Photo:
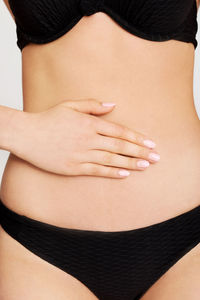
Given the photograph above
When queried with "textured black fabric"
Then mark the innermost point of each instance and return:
(42, 21)
(114, 265)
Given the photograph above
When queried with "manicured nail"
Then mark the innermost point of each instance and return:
(149, 143)
(143, 163)
(124, 173)
(154, 156)
(108, 104)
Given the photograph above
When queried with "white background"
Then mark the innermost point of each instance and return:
(10, 70)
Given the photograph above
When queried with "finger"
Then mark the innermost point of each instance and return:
(120, 146)
(116, 130)
(116, 160)
(103, 171)
(90, 106)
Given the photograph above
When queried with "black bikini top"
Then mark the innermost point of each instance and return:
(42, 21)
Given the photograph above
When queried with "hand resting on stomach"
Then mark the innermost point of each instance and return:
(151, 84)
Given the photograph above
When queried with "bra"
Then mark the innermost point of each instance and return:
(42, 21)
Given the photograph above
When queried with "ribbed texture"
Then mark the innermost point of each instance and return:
(115, 265)
(42, 21)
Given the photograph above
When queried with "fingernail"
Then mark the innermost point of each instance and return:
(124, 173)
(108, 104)
(149, 143)
(154, 156)
(143, 163)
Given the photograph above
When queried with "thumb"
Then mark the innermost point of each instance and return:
(90, 106)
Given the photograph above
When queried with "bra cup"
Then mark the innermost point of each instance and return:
(43, 18)
(42, 21)
(153, 16)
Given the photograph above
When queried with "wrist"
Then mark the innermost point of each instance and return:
(16, 126)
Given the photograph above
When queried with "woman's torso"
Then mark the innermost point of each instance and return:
(152, 85)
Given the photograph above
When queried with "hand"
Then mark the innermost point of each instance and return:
(68, 139)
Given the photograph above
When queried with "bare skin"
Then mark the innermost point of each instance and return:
(152, 86)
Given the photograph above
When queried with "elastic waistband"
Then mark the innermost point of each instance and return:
(15, 222)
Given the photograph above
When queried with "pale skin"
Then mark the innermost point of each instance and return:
(64, 106)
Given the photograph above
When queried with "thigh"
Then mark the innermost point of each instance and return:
(24, 275)
(180, 282)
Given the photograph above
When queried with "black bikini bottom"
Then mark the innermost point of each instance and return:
(114, 265)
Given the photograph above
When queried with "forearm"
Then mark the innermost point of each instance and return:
(11, 126)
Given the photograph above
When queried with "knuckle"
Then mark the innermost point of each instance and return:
(130, 163)
(110, 172)
(69, 163)
(93, 101)
(68, 170)
(119, 131)
(142, 152)
(71, 166)
(107, 158)
(94, 169)
(85, 169)
(119, 145)
(138, 138)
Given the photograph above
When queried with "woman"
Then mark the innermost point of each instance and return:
(71, 229)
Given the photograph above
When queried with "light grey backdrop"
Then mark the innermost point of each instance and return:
(10, 70)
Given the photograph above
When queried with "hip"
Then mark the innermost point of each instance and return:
(162, 191)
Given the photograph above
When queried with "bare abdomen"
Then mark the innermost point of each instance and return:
(151, 84)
